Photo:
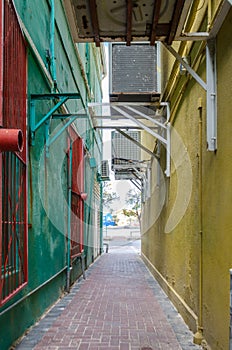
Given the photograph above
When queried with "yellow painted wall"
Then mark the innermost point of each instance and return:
(217, 205)
(174, 257)
(175, 253)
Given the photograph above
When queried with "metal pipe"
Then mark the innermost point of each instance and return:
(200, 218)
(69, 218)
(101, 217)
(168, 151)
(209, 15)
(198, 336)
(89, 217)
(11, 140)
(52, 45)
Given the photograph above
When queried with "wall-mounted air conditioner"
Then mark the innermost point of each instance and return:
(105, 172)
(126, 155)
(134, 70)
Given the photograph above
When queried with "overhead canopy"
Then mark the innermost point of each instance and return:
(127, 20)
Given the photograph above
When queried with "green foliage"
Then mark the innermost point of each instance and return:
(109, 196)
(133, 199)
(129, 212)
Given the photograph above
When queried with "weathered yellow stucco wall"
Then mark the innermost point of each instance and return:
(174, 253)
(217, 205)
(173, 248)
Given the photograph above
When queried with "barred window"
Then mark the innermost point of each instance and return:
(13, 165)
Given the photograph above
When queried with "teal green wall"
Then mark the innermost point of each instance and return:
(47, 205)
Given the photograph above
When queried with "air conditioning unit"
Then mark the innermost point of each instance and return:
(134, 72)
(105, 172)
(126, 156)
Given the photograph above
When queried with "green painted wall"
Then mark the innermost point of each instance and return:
(175, 257)
(48, 177)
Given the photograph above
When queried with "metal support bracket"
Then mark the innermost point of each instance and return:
(210, 87)
(159, 130)
(186, 65)
(59, 100)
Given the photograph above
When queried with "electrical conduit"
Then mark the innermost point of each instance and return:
(52, 45)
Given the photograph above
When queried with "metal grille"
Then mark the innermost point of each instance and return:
(123, 149)
(134, 68)
(13, 170)
(14, 226)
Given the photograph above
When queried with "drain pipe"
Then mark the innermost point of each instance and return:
(52, 45)
(198, 336)
(11, 140)
(91, 190)
(69, 219)
(101, 217)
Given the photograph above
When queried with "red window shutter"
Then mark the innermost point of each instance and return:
(77, 218)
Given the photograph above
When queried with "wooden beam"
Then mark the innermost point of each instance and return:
(155, 20)
(94, 21)
(129, 9)
(175, 20)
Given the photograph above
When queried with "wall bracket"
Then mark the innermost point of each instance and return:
(59, 100)
(209, 86)
(129, 111)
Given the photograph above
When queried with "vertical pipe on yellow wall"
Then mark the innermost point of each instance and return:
(209, 15)
(198, 336)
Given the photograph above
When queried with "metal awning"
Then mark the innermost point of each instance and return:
(127, 20)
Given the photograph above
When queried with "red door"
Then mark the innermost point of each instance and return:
(77, 218)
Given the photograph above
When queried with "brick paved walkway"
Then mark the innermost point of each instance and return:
(118, 307)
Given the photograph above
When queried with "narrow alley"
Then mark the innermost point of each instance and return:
(119, 307)
(115, 116)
